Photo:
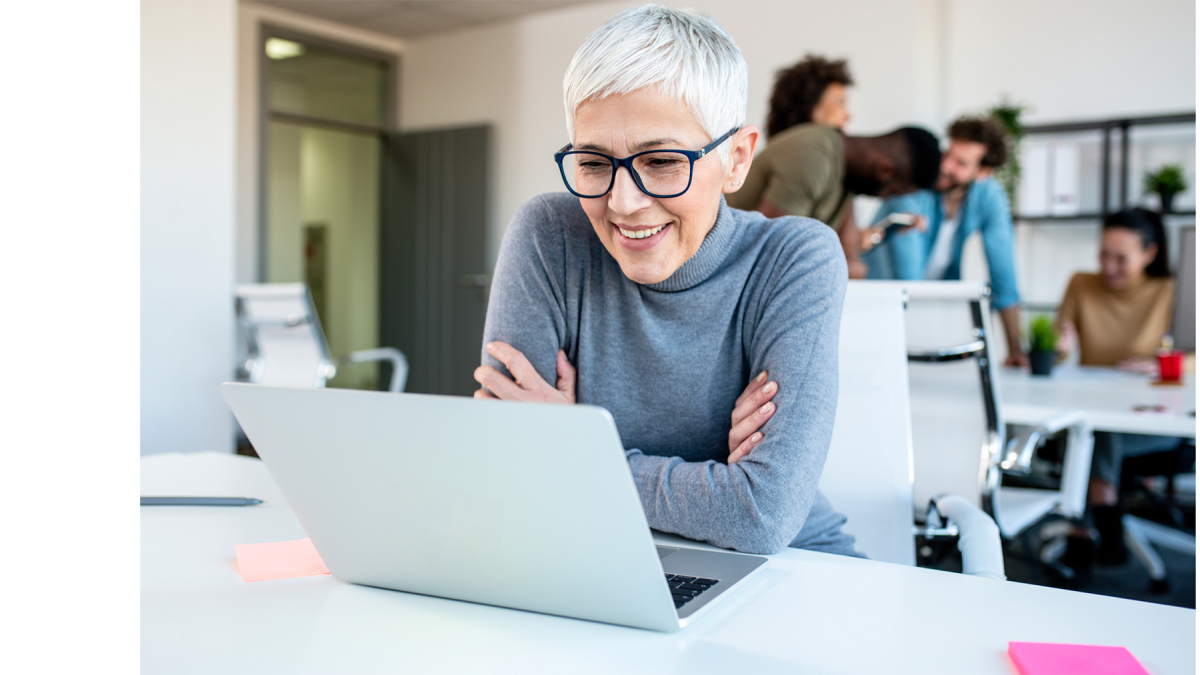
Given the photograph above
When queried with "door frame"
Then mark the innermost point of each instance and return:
(267, 30)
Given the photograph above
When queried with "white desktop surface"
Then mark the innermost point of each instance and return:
(1106, 396)
(805, 612)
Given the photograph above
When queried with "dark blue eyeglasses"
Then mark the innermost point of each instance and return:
(659, 173)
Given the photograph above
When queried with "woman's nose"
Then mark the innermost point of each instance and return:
(626, 197)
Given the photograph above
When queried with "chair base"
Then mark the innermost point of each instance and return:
(1142, 535)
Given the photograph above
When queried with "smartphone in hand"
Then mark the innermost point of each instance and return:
(895, 223)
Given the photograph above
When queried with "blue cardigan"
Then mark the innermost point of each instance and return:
(985, 210)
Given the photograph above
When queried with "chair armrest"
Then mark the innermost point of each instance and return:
(1024, 440)
(1077, 462)
(955, 353)
(395, 356)
(978, 537)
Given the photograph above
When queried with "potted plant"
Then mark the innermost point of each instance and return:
(1166, 181)
(1008, 113)
(1043, 338)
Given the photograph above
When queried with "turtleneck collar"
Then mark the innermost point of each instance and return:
(712, 252)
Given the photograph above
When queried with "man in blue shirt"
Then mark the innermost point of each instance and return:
(965, 200)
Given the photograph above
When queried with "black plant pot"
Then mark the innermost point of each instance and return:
(1041, 363)
(1165, 197)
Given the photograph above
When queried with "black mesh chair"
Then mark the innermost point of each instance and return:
(1162, 512)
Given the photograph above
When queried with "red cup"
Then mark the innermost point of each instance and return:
(1170, 365)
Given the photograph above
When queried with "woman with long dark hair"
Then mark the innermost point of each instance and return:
(1118, 317)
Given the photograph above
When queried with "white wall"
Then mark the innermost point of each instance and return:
(1074, 59)
(187, 219)
(914, 61)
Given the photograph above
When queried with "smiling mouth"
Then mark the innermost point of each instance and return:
(640, 234)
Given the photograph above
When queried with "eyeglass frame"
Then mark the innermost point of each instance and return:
(627, 162)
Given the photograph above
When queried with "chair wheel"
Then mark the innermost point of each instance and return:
(1158, 586)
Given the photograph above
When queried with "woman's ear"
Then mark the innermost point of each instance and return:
(1149, 254)
(741, 154)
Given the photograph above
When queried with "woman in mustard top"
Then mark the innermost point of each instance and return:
(1118, 317)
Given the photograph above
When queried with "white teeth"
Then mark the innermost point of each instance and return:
(641, 234)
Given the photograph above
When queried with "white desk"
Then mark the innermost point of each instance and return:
(1106, 396)
(806, 612)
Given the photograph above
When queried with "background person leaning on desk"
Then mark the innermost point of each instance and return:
(1118, 317)
(810, 168)
(966, 199)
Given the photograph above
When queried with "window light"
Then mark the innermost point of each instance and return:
(283, 49)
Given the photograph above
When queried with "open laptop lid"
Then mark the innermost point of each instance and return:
(501, 503)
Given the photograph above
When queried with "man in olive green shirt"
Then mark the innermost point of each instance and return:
(813, 170)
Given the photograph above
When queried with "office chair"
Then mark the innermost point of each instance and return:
(285, 345)
(1177, 468)
(869, 469)
(961, 445)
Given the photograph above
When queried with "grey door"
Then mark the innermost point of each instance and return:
(433, 268)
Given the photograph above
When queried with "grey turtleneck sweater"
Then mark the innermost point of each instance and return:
(669, 359)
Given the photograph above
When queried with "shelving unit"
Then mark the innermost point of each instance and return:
(1086, 170)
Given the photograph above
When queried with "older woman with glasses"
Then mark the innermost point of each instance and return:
(709, 333)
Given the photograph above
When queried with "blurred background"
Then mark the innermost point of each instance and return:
(375, 150)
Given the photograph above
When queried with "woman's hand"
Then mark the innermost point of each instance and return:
(1139, 365)
(751, 410)
(1067, 337)
(525, 384)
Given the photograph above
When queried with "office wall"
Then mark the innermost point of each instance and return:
(187, 223)
(1073, 59)
(914, 61)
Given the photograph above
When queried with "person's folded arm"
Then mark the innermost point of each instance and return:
(760, 503)
(527, 304)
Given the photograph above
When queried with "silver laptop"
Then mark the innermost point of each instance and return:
(519, 505)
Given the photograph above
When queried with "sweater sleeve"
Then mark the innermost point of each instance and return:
(760, 503)
(997, 232)
(526, 304)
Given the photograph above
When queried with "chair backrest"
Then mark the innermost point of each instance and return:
(285, 344)
(957, 428)
(868, 472)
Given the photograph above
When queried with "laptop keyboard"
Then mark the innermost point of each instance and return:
(685, 589)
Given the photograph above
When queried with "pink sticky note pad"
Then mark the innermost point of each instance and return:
(1047, 658)
(278, 560)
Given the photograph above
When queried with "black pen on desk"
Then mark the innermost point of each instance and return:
(199, 501)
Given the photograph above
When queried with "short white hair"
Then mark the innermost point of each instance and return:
(686, 54)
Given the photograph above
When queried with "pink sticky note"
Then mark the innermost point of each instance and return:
(278, 560)
(1047, 658)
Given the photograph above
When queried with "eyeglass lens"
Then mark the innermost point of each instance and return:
(661, 173)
